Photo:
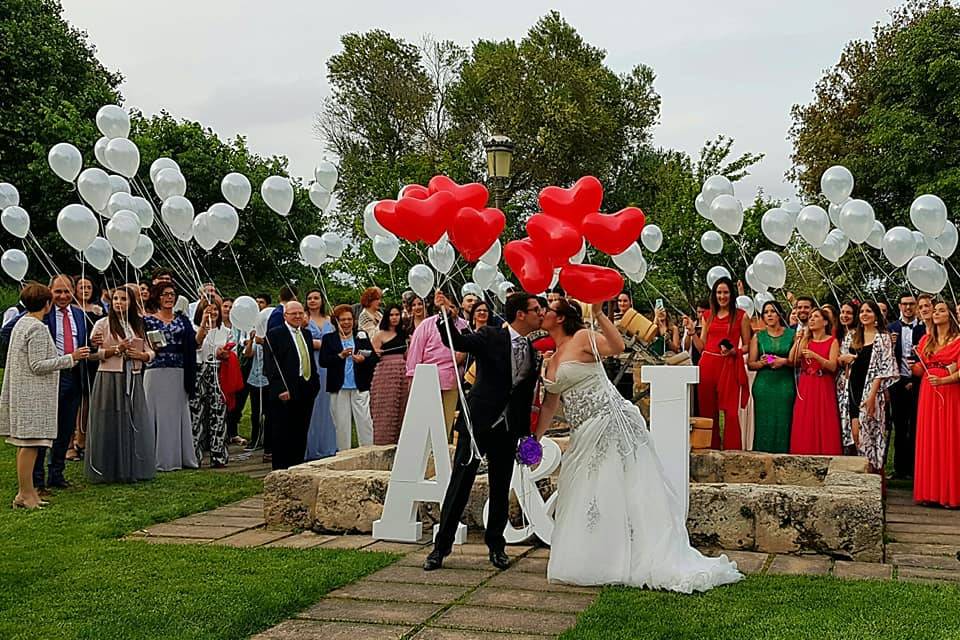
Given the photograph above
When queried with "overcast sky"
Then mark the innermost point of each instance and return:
(258, 68)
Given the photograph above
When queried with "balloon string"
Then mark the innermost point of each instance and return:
(246, 287)
(468, 423)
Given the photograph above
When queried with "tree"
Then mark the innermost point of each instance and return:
(888, 111)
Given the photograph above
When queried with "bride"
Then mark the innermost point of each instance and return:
(617, 520)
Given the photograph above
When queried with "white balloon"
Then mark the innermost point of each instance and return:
(631, 260)
(144, 211)
(753, 280)
(640, 273)
(177, 213)
(921, 248)
(169, 183)
(834, 211)
(16, 220)
(319, 196)
(875, 239)
(421, 280)
(100, 151)
(245, 313)
(9, 196)
(94, 187)
(312, 250)
(791, 207)
(834, 246)
(203, 233)
(714, 274)
(277, 192)
(702, 207)
(946, 243)
(77, 225)
(123, 156)
(716, 186)
(504, 289)
(856, 220)
(326, 175)
(159, 165)
(236, 188)
(727, 213)
(65, 161)
(492, 255)
(371, 226)
(777, 225)
(712, 242)
(497, 279)
(99, 254)
(333, 243)
(813, 223)
(579, 256)
(123, 232)
(899, 246)
(119, 201)
(763, 298)
(928, 213)
(142, 254)
(745, 303)
(484, 274)
(113, 121)
(651, 237)
(119, 184)
(386, 248)
(926, 274)
(471, 289)
(223, 221)
(769, 267)
(15, 263)
(837, 184)
(442, 256)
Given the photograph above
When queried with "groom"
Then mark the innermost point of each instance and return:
(499, 407)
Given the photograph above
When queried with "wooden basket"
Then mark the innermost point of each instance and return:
(638, 326)
(701, 433)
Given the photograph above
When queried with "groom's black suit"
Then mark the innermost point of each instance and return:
(500, 415)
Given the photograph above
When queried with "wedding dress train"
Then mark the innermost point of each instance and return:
(617, 520)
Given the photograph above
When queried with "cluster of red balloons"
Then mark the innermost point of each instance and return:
(570, 216)
(443, 206)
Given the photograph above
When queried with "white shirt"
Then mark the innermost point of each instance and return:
(58, 340)
(215, 338)
(906, 346)
(10, 314)
(515, 339)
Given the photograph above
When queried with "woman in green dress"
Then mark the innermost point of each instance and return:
(773, 387)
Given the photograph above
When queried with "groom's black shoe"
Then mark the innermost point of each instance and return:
(499, 559)
(434, 561)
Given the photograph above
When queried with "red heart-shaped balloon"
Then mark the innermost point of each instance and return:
(415, 191)
(585, 196)
(473, 194)
(426, 219)
(385, 212)
(590, 283)
(532, 269)
(472, 232)
(613, 233)
(554, 238)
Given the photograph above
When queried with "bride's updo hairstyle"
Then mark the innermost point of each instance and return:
(572, 316)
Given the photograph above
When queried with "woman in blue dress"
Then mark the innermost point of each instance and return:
(322, 436)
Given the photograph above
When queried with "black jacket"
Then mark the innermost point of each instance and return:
(493, 391)
(330, 359)
(281, 365)
(895, 327)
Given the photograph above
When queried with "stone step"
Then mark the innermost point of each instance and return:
(924, 516)
(925, 538)
(914, 527)
(925, 561)
(949, 550)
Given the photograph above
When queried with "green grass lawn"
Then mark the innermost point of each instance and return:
(64, 574)
(781, 607)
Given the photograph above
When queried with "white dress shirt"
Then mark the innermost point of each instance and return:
(58, 340)
(906, 346)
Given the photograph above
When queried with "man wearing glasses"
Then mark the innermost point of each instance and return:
(905, 332)
(499, 409)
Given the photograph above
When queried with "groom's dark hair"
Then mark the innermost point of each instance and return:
(517, 302)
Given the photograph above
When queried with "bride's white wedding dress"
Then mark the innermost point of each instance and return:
(617, 521)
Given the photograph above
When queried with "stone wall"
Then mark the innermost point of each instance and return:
(738, 500)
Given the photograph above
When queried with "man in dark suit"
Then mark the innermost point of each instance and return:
(289, 367)
(905, 332)
(69, 331)
(499, 407)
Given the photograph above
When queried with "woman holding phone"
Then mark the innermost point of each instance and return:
(208, 407)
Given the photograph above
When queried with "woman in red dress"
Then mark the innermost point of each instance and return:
(936, 477)
(815, 429)
(723, 376)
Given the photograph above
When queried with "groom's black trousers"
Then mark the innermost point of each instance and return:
(501, 453)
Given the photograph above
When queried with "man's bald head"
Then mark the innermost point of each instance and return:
(293, 313)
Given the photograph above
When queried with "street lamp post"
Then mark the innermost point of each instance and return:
(499, 151)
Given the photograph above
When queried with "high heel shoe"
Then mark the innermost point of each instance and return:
(23, 505)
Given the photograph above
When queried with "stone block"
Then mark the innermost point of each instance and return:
(722, 515)
(747, 467)
(807, 471)
(290, 497)
(706, 466)
(349, 501)
(850, 464)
